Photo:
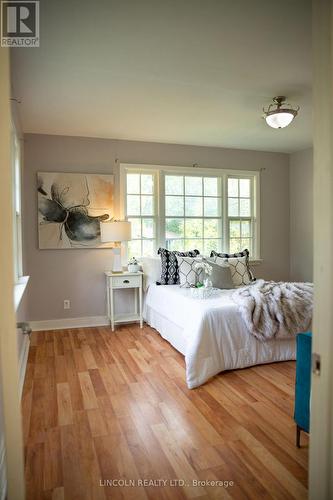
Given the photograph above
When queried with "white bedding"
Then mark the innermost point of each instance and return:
(213, 335)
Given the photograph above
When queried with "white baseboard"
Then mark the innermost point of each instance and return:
(59, 324)
(23, 362)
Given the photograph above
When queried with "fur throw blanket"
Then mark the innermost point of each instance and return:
(275, 309)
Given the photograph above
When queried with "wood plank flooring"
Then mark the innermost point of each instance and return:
(101, 406)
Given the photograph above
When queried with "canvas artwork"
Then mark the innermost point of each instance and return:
(70, 208)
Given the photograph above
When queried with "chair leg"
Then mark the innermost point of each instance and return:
(298, 436)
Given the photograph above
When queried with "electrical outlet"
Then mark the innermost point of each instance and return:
(67, 304)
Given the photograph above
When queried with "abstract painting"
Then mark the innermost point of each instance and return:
(71, 207)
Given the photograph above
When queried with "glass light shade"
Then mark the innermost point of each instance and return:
(279, 119)
(115, 231)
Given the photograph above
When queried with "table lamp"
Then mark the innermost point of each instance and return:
(116, 231)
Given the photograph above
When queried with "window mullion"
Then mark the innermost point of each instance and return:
(161, 241)
(203, 228)
(253, 225)
(225, 219)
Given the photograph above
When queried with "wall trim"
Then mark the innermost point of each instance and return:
(22, 365)
(23, 361)
(59, 324)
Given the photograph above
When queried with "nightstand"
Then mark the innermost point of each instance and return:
(121, 281)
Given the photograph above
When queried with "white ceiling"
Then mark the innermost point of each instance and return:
(177, 71)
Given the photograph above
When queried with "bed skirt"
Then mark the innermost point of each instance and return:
(167, 329)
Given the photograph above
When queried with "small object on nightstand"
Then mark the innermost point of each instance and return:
(121, 281)
(133, 265)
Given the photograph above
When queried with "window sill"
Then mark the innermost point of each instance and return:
(19, 289)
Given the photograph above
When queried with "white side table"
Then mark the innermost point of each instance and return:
(121, 281)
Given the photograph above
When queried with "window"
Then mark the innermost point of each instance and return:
(240, 220)
(193, 213)
(186, 208)
(141, 212)
(17, 213)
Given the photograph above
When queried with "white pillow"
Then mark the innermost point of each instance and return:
(239, 269)
(151, 266)
(188, 274)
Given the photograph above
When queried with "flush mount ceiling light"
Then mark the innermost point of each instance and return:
(279, 114)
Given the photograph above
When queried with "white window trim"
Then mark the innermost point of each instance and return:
(17, 216)
(123, 197)
(255, 207)
(161, 170)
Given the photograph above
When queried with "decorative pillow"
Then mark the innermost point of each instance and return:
(241, 273)
(221, 275)
(169, 264)
(188, 274)
(243, 253)
(151, 267)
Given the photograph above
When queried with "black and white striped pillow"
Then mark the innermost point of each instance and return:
(169, 265)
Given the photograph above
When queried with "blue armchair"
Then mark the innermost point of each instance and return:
(303, 384)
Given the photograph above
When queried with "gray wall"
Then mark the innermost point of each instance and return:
(76, 274)
(301, 215)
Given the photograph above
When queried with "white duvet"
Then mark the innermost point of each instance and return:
(215, 337)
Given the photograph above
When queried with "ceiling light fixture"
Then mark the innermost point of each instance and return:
(279, 114)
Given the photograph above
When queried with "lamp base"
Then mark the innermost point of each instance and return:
(116, 264)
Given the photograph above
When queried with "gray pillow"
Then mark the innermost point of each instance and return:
(221, 276)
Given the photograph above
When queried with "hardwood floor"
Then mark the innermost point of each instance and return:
(101, 406)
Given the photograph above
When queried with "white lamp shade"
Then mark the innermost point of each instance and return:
(115, 231)
(279, 119)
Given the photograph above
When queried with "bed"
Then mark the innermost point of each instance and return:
(210, 333)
